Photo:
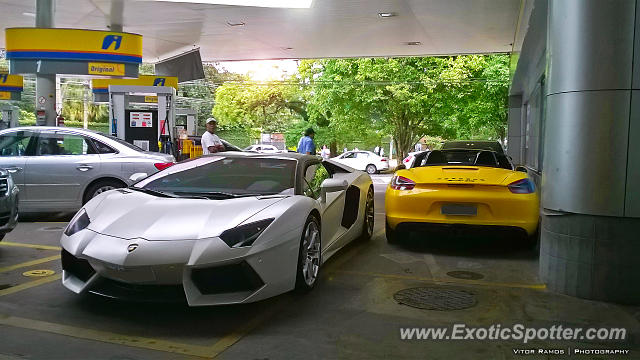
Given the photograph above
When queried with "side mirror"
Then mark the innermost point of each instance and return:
(332, 185)
(400, 167)
(521, 168)
(137, 177)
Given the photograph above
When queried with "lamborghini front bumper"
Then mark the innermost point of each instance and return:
(202, 272)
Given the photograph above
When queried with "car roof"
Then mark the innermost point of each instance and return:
(289, 155)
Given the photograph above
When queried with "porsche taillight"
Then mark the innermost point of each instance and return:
(522, 186)
(402, 183)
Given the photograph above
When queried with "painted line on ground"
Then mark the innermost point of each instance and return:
(230, 339)
(32, 246)
(29, 263)
(445, 281)
(107, 337)
(29, 285)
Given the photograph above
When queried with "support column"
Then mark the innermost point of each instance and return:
(589, 241)
(46, 83)
(116, 15)
(514, 129)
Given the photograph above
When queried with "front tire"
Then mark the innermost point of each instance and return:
(371, 169)
(309, 255)
(369, 216)
(100, 187)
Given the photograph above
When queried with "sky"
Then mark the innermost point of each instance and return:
(262, 70)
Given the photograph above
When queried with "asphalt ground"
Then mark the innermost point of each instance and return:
(351, 314)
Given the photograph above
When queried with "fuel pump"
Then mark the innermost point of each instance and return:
(10, 116)
(143, 116)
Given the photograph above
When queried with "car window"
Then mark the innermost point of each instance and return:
(349, 156)
(51, 143)
(223, 177)
(313, 178)
(103, 148)
(15, 143)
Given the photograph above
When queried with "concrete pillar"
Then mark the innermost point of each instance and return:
(46, 83)
(589, 241)
(116, 15)
(514, 130)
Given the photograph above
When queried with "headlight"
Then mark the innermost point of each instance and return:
(79, 222)
(245, 235)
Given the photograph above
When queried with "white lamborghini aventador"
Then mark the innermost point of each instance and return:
(220, 229)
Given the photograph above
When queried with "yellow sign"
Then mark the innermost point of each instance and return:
(5, 95)
(10, 82)
(102, 85)
(38, 273)
(106, 69)
(73, 44)
(151, 99)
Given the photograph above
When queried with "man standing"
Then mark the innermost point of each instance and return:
(306, 144)
(211, 143)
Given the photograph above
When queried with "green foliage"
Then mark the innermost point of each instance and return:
(74, 99)
(452, 97)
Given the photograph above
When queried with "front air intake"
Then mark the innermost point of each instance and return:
(226, 279)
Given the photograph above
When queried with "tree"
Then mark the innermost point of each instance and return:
(408, 97)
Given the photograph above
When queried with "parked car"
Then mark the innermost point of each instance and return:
(59, 169)
(363, 160)
(262, 148)
(409, 161)
(470, 190)
(262, 226)
(8, 203)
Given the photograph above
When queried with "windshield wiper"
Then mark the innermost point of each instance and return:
(151, 192)
(209, 194)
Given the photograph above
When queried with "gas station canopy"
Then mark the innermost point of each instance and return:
(327, 28)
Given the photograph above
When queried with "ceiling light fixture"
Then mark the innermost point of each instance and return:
(384, 15)
(414, 43)
(235, 23)
(287, 48)
(29, 14)
(292, 4)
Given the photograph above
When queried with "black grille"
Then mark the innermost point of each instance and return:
(4, 186)
(139, 292)
(79, 268)
(226, 279)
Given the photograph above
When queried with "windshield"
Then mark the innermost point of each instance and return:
(224, 177)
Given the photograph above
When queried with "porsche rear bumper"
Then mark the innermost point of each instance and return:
(494, 206)
(202, 272)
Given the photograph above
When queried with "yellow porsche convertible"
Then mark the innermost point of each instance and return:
(461, 189)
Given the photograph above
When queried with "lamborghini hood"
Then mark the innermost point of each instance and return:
(130, 214)
(461, 175)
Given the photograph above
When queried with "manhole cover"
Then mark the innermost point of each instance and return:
(53, 228)
(440, 299)
(38, 273)
(466, 275)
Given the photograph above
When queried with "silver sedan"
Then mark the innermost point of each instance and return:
(60, 169)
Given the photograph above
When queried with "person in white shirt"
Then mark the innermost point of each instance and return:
(211, 143)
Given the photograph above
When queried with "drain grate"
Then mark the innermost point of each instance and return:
(465, 275)
(432, 298)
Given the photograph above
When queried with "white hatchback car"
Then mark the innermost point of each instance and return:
(363, 160)
(263, 149)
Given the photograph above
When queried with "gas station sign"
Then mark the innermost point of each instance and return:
(73, 51)
(10, 86)
(102, 85)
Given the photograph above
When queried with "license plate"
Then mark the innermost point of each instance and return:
(459, 209)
